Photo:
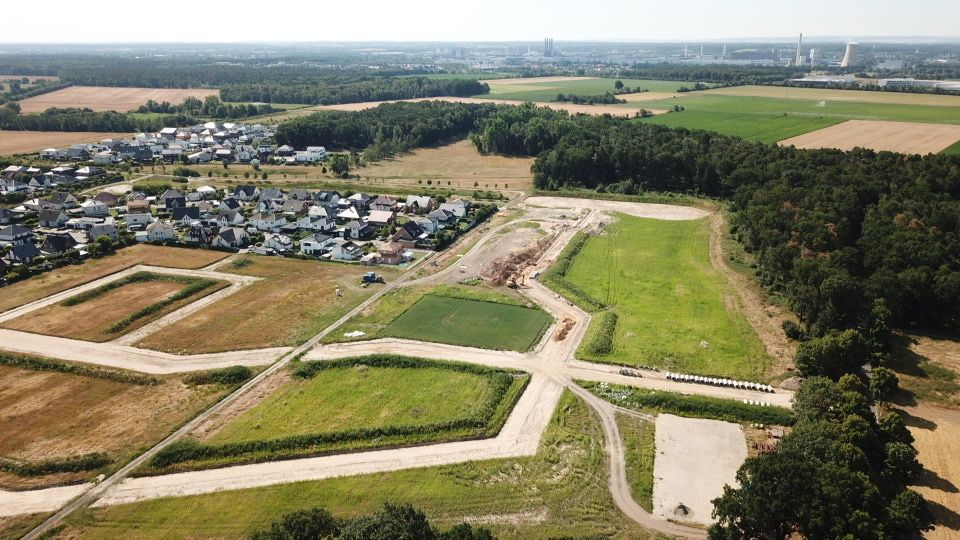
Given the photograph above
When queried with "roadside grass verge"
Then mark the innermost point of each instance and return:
(674, 310)
(457, 314)
(640, 451)
(34, 363)
(358, 403)
(113, 309)
(560, 492)
(711, 408)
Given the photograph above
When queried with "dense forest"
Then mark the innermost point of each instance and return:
(210, 107)
(718, 74)
(353, 92)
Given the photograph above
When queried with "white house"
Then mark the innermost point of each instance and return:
(93, 207)
(279, 242)
(138, 219)
(232, 237)
(159, 231)
(267, 222)
(315, 245)
(458, 207)
(345, 250)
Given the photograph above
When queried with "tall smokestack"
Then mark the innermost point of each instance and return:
(799, 60)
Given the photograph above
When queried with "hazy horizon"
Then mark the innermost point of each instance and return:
(246, 21)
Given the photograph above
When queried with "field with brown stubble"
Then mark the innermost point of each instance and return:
(905, 137)
(101, 98)
(22, 142)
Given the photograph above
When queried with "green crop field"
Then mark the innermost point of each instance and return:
(639, 449)
(670, 302)
(766, 128)
(953, 149)
(547, 91)
(471, 323)
(348, 397)
(561, 491)
(771, 119)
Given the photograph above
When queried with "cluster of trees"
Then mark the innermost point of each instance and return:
(54, 119)
(369, 89)
(210, 107)
(392, 522)
(602, 99)
(385, 130)
(719, 74)
(840, 473)
(22, 88)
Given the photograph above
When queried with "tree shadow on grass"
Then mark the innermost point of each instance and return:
(915, 421)
(933, 480)
(903, 359)
(944, 517)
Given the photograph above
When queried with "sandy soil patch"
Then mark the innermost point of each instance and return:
(694, 459)
(646, 210)
(905, 137)
(937, 434)
(22, 142)
(535, 80)
(102, 98)
(821, 94)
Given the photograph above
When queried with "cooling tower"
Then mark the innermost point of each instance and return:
(851, 59)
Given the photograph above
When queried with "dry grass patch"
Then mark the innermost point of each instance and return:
(49, 415)
(91, 320)
(103, 98)
(295, 300)
(68, 277)
(937, 434)
(905, 137)
(22, 142)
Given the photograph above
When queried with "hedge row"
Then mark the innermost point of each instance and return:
(488, 417)
(42, 364)
(600, 341)
(188, 291)
(556, 279)
(306, 370)
(728, 410)
(138, 277)
(85, 462)
(230, 375)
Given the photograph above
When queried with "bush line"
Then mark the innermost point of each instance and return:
(85, 462)
(33, 363)
(600, 342)
(691, 406)
(186, 292)
(229, 375)
(556, 276)
(138, 277)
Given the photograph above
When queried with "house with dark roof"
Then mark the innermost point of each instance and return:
(56, 243)
(60, 199)
(107, 198)
(185, 216)
(231, 238)
(173, 198)
(22, 253)
(245, 192)
(53, 218)
(16, 234)
(409, 234)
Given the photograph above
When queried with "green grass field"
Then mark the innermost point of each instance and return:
(471, 323)
(670, 301)
(771, 120)
(562, 491)
(639, 450)
(547, 91)
(953, 149)
(346, 398)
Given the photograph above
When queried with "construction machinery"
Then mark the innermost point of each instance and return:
(372, 277)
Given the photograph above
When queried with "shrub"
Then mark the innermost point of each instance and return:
(600, 342)
(42, 364)
(793, 330)
(230, 375)
(85, 462)
(194, 287)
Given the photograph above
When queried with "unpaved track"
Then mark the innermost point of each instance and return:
(551, 364)
(15, 503)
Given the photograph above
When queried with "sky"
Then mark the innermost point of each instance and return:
(486, 20)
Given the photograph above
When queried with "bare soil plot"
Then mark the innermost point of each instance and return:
(90, 320)
(694, 459)
(905, 137)
(47, 415)
(862, 96)
(68, 277)
(936, 431)
(102, 98)
(528, 80)
(296, 300)
(22, 142)
(459, 162)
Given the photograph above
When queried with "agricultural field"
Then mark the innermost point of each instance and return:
(562, 491)
(674, 310)
(102, 98)
(546, 89)
(827, 94)
(936, 431)
(471, 323)
(113, 311)
(763, 128)
(67, 277)
(295, 300)
(906, 137)
(639, 449)
(25, 142)
(47, 415)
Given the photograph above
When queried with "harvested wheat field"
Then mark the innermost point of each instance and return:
(48, 415)
(937, 434)
(825, 94)
(67, 277)
(905, 137)
(459, 162)
(646, 96)
(103, 98)
(22, 142)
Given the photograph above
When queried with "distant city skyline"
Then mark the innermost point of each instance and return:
(494, 20)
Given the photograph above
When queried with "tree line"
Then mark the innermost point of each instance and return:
(600, 99)
(719, 74)
(374, 89)
(55, 119)
(210, 107)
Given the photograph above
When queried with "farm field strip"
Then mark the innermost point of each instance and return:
(102, 98)
(23, 142)
(905, 137)
(826, 94)
(763, 128)
(545, 89)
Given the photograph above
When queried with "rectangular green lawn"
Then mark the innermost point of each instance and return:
(349, 398)
(669, 299)
(764, 128)
(471, 323)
